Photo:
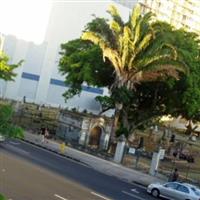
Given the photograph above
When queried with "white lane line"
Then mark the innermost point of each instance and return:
(133, 195)
(58, 196)
(135, 190)
(98, 195)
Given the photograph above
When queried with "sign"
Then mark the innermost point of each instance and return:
(131, 150)
(162, 154)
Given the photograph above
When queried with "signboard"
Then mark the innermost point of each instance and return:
(131, 150)
(162, 154)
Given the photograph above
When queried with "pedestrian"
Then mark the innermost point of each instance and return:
(46, 133)
(175, 175)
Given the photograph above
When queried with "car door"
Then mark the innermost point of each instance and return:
(182, 192)
(169, 190)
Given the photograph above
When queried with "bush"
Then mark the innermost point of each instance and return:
(7, 128)
(2, 197)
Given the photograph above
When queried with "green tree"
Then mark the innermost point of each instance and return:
(7, 128)
(81, 61)
(7, 73)
(142, 59)
(7, 70)
(2, 197)
(138, 50)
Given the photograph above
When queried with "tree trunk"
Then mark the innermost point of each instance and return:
(115, 124)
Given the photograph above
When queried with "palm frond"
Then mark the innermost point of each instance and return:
(144, 43)
(137, 32)
(164, 65)
(109, 53)
(136, 13)
(115, 27)
(126, 46)
(93, 37)
(114, 57)
(112, 10)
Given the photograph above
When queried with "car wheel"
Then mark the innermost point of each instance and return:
(155, 192)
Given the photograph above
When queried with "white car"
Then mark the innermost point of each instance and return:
(174, 191)
(2, 138)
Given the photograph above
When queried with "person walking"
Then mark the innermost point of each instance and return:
(175, 175)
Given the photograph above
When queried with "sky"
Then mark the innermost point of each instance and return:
(26, 19)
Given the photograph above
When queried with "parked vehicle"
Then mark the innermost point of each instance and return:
(2, 138)
(174, 190)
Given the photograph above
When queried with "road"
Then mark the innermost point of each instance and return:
(28, 172)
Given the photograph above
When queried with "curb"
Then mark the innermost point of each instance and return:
(53, 151)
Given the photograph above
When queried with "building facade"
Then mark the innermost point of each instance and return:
(38, 79)
(84, 129)
(179, 13)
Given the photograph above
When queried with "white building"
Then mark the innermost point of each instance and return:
(38, 78)
(179, 13)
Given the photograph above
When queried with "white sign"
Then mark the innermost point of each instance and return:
(131, 150)
(162, 154)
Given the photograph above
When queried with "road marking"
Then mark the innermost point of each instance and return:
(58, 196)
(133, 195)
(135, 190)
(98, 195)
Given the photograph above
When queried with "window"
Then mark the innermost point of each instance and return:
(184, 17)
(183, 189)
(171, 185)
(196, 191)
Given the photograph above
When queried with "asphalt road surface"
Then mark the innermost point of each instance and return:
(28, 172)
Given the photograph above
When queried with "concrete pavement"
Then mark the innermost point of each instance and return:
(101, 165)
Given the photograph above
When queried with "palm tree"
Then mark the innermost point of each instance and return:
(137, 49)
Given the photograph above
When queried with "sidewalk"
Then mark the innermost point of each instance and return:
(101, 165)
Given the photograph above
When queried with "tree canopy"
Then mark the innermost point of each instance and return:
(161, 66)
(7, 70)
(7, 128)
(81, 61)
(7, 73)
(138, 50)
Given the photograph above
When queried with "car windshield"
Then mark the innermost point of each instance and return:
(196, 191)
